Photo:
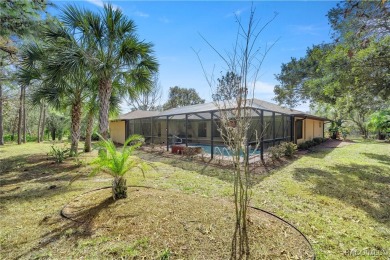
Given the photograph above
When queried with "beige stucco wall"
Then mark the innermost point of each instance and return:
(311, 129)
(117, 131)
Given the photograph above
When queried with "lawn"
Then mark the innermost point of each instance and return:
(339, 198)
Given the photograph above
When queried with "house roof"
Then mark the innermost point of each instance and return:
(180, 112)
(138, 114)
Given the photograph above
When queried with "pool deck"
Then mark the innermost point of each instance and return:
(218, 157)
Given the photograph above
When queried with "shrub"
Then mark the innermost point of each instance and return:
(9, 138)
(317, 140)
(275, 152)
(289, 148)
(303, 146)
(95, 137)
(59, 153)
(310, 143)
(344, 133)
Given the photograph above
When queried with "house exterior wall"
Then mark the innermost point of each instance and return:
(117, 131)
(311, 129)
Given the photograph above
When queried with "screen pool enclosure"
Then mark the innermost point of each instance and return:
(198, 125)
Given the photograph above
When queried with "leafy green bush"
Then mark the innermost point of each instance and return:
(289, 148)
(11, 138)
(59, 153)
(317, 140)
(275, 152)
(95, 137)
(303, 146)
(310, 143)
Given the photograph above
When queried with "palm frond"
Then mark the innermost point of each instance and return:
(117, 163)
(73, 17)
(30, 54)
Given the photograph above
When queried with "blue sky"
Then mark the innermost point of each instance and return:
(174, 28)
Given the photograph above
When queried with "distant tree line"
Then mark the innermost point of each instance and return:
(351, 73)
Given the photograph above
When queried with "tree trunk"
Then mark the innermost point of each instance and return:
(105, 89)
(14, 128)
(119, 188)
(39, 122)
(1, 116)
(20, 116)
(53, 134)
(88, 133)
(24, 115)
(43, 122)
(75, 127)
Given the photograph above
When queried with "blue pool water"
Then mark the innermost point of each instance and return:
(219, 149)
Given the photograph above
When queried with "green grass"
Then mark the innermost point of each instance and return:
(339, 198)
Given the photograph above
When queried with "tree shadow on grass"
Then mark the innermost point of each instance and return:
(18, 169)
(382, 158)
(30, 194)
(78, 224)
(363, 187)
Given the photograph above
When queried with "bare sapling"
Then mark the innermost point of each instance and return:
(235, 115)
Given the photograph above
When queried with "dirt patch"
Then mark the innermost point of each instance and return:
(153, 222)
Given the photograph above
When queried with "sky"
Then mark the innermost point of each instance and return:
(176, 29)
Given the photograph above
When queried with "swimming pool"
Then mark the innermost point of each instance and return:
(222, 150)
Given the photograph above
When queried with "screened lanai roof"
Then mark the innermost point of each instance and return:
(208, 107)
(198, 109)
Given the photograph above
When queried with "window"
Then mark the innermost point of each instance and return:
(299, 128)
(202, 129)
(320, 124)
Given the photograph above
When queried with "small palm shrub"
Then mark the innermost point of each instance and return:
(59, 153)
(289, 148)
(118, 163)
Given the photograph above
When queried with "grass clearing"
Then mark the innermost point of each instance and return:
(339, 198)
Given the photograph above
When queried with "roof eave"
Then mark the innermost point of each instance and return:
(311, 117)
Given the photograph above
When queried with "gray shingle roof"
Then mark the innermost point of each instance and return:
(179, 112)
(138, 114)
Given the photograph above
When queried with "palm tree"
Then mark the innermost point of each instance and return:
(29, 74)
(118, 163)
(65, 79)
(115, 53)
(92, 110)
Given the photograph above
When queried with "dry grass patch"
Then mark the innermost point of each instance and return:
(151, 222)
(188, 219)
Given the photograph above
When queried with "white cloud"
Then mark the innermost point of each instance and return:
(310, 29)
(141, 14)
(164, 20)
(264, 88)
(100, 3)
(237, 12)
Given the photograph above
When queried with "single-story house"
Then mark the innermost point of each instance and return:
(198, 125)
